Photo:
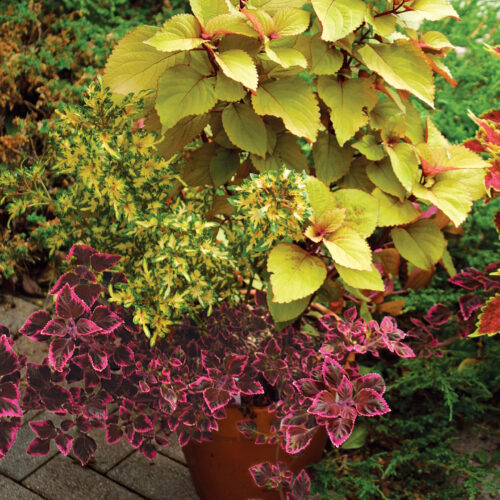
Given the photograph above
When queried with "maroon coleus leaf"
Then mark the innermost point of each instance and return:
(332, 373)
(148, 450)
(86, 327)
(236, 365)
(370, 403)
(103, 261)
(63, 443)
(106, 319)
(9, 428)
(68, 304)
(113, 433)
(402, 350)
(216, 398)
(467, 278)
(84, 448)
(438, 315)
(272, 348)
(9, 362)
(308, 387)
(371, 381)
(80, 254)
(248, 428)
(88, 293)
(300, 487)
(56, 328)
(468, 304)
(67, 278)
(269, 367)
(297, 438)
(98, 359)
(44, 429)
(133, 437)
(265, 475)
(489, 319)
(325, 405)
(474, 145)
(60, 353)
(492, 179)
(9, 400)
(339, 429)
(143, 424)
(123, 356)
(38, 447)
(56, 398)
(85, 274)
(247, 384)
(34, 325)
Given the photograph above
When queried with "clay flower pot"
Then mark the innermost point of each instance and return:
(219, 468)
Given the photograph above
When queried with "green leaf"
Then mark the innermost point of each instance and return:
(205, 10)
(287, 152)
(357, 178)
(180, 32)
(369, 147)
(402, 65)
(291, 21)
(387, 117)
(236, 24)
(422, 243)
(330, 160)
(182, 91)
(134, 66)
(349, 249)
(328, 223)
(404, 163)
(320, 197)
(414, 127)
(282, 313)
(292, 100)
(239, 66)
(447, 262)
(348, 102)
(224, 165)
(295, 273)
(196, 171)
(325, 60)
(227, 89)
(286, 57)
(339, 17)
(364, 280)
(245, 128)
(272, 6)
(472, 180)
(434, 10)
(394, 212)
(357, 439)
(384, 26)
(383, 176)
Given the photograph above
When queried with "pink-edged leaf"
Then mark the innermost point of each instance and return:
(298, 438)
(272, 348)
(98, 360)
(236, 365)
(63, 443)
(143, 424)
(38, 447)
(44, 429)
(468, 304)
(325, 405)
(60, 353)
(148, 450)
(248, 428)
(345, 390)
(9, 400)
(402, 350)
(332, 373)
(249, 386)
(123, 356)
(438, 315)
(56, 398)
(68, 304)
(492, 179)
(371, 381)
(184, 438)
(80, 254)
(84, 448)
(216, 398)
(8, 432)
(474, 145)
(106, 319)
(370, 403)
(489, 319)
(56, 328)
(67, 278)
(264, 475)
(34, 325)
(66, 425)
(103, 261)
(134, 438)
(113, 434)
(84, 273)
(86, 327)
(300, 486)
(308, 387)
(339, 430)
(88, 293)
(9, 362)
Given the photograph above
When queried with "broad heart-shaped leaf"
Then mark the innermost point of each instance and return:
(325, 60)
(489, 319)
(361, 210)
(245, 128)
(320, 197)
(369, 147)
(434, 10)
(239, 66)
(205, 10)
(283, 313)
(349, 249)
(292, 100)
(183, 91)
(404, 163)
(364, 280)
(291, 21)
(8, 432)
(383, 176)
(9, 362)
(285, 56)
(422, 243)
(134, 66)
(181, 32)
(339, 17)
(224, 165)
(287, 153)
(227, 89)
(393, 212)
(272, 6)
(84, 448)
(295, 273)
(331, 162)
(402, 65)
(339, 429)
(349, 102)
(234, 23)
(68, 304)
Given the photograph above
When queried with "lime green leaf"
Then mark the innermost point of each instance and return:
(287, 152)
(181, 32)
(364, 280)
(272, 6)
(282, 313)
(328, 223)
(251, 46)
(403, 66)
(227, 89)
(434, 10)
(205, 10)
(291, 21)
(383, 25)
(239, 66)
(339, 17)
(182, 91)
(434, 138)
(472, 180)
(361, 210)
(245, 128)
(286, 56)
(292, 100)
(348, 102)
(387, 117)
(295, 273)
(320, 197)
(383, 176)
(414, 127)
(394, 212)
(236, 24)
(404, 163)
(422, 243)
(325, 60)
(369, 147)
(349, 249)
(134, 66)
(224, 165)
(330, 160)
(357, 439)
(447, 262)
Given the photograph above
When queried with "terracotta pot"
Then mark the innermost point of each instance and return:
(219, 468)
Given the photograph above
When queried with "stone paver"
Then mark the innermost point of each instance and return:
(159, 479)
(173, 450)
(14, 311)
(35, 351)
(63, 479)
(9, 490)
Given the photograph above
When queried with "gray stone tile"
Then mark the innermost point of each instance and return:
(14, 311)
(159, 479)
(9, 490)
(173, 450)
(35, 351)
(63, 479)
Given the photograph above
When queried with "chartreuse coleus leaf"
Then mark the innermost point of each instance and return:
(287, 152)
(370, 147)
(272, 6)
(325, 60)
(404, 162)
(383, 176)
(292, 100)
(134, 66)
(205, 10)
(320, 197)
(282, 313)
(422, 243)
(227, 89)
(180, 32)
(434, 10)
(489, 319)
(224, 165)
(290, 21)
(239, 66)
(338, 18)
(349, 102)
(394, 212)
(387, 117)
(433, 137)
(402, 65)
(295, 273)
(331, 162)
(183, 91)
(348, 248)
(196, 170)
(236, 24)
(414, 127)
(382, 25)
(322, 226)
(364, 280)
(472, 179)
(285, 56)
(245, 128)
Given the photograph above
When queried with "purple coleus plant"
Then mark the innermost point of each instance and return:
(101, 373)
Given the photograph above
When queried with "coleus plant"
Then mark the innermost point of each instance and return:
(99, 361)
